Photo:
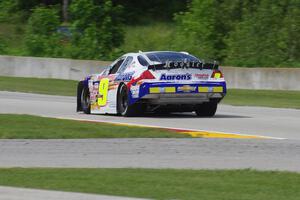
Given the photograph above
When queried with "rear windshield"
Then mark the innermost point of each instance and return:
(163, 57)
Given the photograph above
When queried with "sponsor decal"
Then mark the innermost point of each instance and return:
(186, 88)
(202, 76)
(93, 88)
(124, 77)
(135, 90)
(171, 77)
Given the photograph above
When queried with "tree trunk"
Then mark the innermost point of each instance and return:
(65, 10)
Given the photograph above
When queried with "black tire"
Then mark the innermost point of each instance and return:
(122, 104)
(207, 109)
(85, 101)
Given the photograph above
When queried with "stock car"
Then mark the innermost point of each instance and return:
(157, 81)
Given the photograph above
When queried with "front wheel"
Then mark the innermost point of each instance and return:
(123, 107)
(207, 109)
(85, 100)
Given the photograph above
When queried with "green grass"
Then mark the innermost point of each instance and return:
(268, 98)
(33, 127)
(157, 36)
(39, 85)
(161, 183)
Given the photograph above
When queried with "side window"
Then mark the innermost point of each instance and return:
(143, 61)
(105, 72)
(116, 67)
(125, 64)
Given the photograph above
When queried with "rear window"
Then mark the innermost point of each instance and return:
(163, 57)
(143, 61)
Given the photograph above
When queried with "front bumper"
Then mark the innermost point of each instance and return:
(174, 93)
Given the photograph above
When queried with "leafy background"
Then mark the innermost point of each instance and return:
(244, 33)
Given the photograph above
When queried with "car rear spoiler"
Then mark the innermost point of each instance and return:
(178, 65)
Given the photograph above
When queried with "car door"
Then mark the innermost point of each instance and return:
(106, 89)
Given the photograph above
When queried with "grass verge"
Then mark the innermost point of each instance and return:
(240, 97)
(39, 85)
(160, 183)
(33, 127)
(267, 98)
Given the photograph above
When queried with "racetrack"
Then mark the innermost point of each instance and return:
(265, 154)
(279, 123)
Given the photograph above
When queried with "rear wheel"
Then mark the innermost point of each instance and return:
(207, 109)
(124, 109)
(85, 101)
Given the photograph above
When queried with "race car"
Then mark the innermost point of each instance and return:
(157, 81)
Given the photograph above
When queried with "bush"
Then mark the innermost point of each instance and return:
(3, 46)
(96, 29)
(6, 8)
(267, 37)
(41, 37)
(242, 33)
(202, 29)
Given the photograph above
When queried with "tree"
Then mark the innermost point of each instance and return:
(202, 29)
(241, 32)
(97, 29)
(65, 10)
(267, 36)
(41, 37)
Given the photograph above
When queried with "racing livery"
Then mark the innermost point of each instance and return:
(158, 81)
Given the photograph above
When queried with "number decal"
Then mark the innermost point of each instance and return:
(103, 90)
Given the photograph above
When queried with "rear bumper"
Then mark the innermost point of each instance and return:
(173, 93)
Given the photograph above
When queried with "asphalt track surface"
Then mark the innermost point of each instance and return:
(10, 193)
(196, 153)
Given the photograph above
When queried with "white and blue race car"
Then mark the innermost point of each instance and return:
(158, 81)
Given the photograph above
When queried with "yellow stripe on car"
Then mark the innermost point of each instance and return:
(170, 89)
(154, 90)
(202, 89)
(217, 89)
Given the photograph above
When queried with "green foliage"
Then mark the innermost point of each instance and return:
(158, 36)
(16, 10)
(12, 35)
(96, 29)
(143, 13)
(41, 37)
(259, 33)
(201, 30)
(242, 33)
(267, 37)
(3, 46)
(6, 8)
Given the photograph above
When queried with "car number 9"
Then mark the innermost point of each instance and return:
(103, 90)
